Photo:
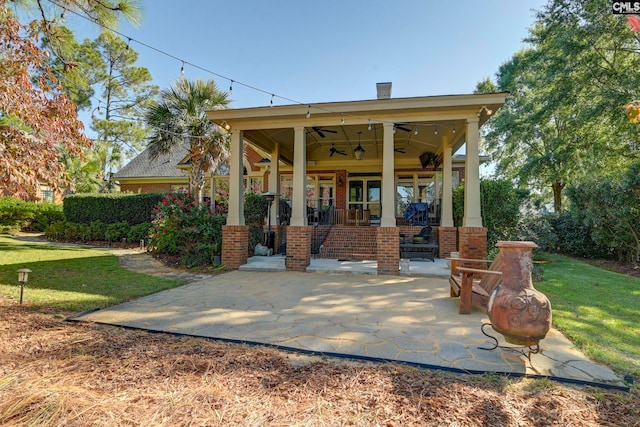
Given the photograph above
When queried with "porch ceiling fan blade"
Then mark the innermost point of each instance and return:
(399, 126)
(333, 150)
(321, 132)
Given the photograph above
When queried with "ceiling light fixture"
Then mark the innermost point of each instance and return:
(359, 151)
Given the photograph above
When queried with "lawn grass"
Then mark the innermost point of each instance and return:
(598, 310)
(71, 278)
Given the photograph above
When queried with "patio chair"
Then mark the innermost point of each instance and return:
(425, 233)
(472, 284)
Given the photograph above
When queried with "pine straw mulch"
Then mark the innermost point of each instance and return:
(59, 373)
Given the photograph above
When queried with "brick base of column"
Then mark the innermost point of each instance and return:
(447, 241)
(235, 245)
(473, 242)
(298, 247)
(388, 249)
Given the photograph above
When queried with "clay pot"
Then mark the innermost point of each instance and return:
(516, 309)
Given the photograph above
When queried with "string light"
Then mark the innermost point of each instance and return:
(232, 81)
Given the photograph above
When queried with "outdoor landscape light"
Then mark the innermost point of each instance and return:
(23, 278)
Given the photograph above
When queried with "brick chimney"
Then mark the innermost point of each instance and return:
(384, 90)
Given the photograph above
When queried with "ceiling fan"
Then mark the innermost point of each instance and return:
(333, 150)
(320, 131)
(399, 126)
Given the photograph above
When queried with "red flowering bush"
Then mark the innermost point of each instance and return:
(181, 227)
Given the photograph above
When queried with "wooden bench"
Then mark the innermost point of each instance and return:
(474, 285)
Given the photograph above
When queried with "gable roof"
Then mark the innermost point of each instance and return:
(143, 166)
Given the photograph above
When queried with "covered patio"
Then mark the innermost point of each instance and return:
(365, 161)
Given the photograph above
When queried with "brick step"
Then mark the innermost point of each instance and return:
(345, 242)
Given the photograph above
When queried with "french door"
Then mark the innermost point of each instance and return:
(364, 194)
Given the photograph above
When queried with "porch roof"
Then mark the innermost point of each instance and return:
(423, 124)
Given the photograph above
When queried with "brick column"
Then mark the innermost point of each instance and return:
(298, 247)
(388, 244)
(447, 241)
(473, 242)
(235, 245)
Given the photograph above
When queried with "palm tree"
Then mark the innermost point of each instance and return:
(179, 117)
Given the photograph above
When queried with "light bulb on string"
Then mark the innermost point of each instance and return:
(342, 119)
(454, 128)
(272, 95)
(231, 87)
(415, 132)
(308, 111)
(435, 131)
(128, 43)
(369, 127)
(182, 69)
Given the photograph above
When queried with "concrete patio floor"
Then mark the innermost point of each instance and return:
(407, 319)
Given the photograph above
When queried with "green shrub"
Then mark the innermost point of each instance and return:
(256, 208)
(117, 232)
(139, 232)
(500, 209)
(56, 231)
(44, 217)
(111, 208)
(97, 231)
(538, 229)
(575, 237)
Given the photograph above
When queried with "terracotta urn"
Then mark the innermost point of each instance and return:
(516, 309)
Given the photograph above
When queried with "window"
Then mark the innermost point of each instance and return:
(46, 195)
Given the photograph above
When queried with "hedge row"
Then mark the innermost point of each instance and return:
(111, 208)
(97, 231)
(17, 215)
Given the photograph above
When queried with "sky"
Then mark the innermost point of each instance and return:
(329, 50)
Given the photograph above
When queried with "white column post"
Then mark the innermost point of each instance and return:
(447, 188)
(472, 212)
(274, 186)
(299, 196)
(388, 218)
(236, 187)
